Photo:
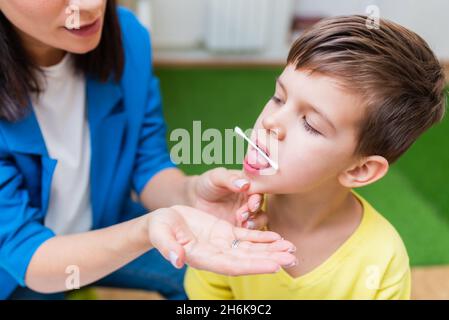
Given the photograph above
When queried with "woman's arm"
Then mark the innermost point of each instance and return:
(167, 188)
(94, 254)
(181, 234)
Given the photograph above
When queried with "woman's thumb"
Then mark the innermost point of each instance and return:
(174, 256)
(164, 240)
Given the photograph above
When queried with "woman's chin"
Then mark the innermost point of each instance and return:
(82, 47)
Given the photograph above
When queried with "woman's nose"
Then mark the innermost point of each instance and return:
(274, 125)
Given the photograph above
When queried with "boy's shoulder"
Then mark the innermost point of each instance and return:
(379, 237)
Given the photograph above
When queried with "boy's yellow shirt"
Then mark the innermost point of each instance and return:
(371, 264)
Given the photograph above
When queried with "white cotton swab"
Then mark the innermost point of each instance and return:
(273, 164)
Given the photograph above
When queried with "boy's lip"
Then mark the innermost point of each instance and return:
(252, 169)
(248, 168)
(262, 147)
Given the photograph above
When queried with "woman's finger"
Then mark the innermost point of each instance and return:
(255, 218)
(256, 221)
(276, 246)
(283, 258)
(232, 265)
(255, 202)
(255, 235)
(229, 180)
(236, 181)
(242, 214)
(244, 265)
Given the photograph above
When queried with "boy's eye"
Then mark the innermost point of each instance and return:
(276, 100)
(309, 128)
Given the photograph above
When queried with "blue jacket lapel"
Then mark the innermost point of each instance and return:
(107, 121)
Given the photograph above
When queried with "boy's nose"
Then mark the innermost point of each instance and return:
(273, 124)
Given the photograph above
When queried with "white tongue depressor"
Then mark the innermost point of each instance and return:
(273, 164)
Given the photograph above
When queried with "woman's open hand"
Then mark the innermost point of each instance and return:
(187, 235)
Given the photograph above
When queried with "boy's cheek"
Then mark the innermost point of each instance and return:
(310, 167)
(294, 177)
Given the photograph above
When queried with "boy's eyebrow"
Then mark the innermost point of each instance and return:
(278, 81)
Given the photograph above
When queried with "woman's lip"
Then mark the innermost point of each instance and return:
(87, 30)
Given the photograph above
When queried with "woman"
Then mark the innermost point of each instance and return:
(81, 127)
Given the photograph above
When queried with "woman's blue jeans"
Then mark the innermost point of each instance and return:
(149, 272)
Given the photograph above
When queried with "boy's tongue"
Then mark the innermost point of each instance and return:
(256, 161)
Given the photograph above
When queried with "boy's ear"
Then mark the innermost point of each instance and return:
(368, 170)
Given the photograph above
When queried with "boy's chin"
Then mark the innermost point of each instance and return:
(260, 184)
(272, 185)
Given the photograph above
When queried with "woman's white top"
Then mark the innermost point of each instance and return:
(61, 113)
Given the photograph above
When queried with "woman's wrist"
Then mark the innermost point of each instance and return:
(190, 191)
(168, 188)
(138, 237)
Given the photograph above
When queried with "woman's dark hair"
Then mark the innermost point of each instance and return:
(18, 76)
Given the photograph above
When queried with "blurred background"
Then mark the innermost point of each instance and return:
(217, 61)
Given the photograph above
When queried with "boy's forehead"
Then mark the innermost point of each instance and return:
(325, 93)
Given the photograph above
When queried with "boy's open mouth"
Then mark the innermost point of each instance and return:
(254, 161)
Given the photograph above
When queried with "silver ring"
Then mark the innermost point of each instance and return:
(235, 243)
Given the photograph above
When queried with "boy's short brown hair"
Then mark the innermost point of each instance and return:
(392, 68)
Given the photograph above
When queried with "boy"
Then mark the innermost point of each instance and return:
(349, 103)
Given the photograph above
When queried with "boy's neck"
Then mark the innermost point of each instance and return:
(307, 212)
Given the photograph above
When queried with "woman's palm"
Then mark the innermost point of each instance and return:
(207, 242)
